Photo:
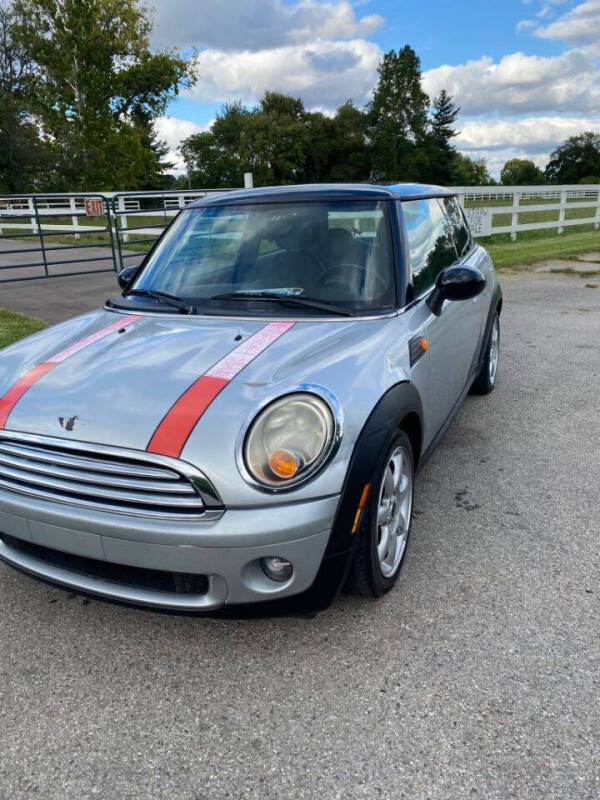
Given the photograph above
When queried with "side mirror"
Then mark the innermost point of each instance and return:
(127, 276)
(455, 283)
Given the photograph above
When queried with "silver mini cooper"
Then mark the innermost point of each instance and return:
(243, 424)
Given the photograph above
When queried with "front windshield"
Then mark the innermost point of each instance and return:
(338, 253)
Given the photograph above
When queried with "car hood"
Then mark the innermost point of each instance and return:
(117, 389)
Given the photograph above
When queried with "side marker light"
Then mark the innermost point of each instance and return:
(361, 505)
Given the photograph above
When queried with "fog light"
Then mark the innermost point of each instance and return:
(278, 569)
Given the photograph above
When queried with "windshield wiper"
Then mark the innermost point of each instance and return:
(292, 300)
(161, 297)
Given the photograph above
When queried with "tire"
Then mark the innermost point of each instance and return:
(374, 569)
(486, 380)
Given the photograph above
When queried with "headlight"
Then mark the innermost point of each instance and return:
(289, 440)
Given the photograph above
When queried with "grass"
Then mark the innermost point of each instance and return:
(533, 246)
(15, 326)
(581, 274)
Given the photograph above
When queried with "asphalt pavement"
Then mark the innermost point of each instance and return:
(55, 299)
(478, 676)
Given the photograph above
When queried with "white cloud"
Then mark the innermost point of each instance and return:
(533, 137)
(256, 24)
(521, 84)
(533, 134)
(172, 131)
(579, 26)
(526, 94)
(525, 25)
(323, 73)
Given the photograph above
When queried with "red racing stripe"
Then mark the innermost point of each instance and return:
(173, 432)
(16, 392)
(10, 399)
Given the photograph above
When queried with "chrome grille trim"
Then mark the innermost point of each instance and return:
(103, 477)
(94, 465)
(171, 485)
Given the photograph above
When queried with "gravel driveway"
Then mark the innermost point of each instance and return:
(477, 677)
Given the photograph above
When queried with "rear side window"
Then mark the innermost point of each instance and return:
(460, 229)
(429, 240)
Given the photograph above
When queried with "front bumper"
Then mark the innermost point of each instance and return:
(227, 551)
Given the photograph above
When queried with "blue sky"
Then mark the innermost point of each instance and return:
(525, 72)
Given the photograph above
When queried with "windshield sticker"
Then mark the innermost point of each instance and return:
(283, 291)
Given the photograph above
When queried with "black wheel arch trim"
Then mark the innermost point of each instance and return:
(399, 404)
(495, 308)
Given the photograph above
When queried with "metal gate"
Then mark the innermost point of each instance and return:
(59, 235)
(55, 236)
(140, 218)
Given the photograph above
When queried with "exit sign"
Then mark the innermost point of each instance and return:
(94, 207)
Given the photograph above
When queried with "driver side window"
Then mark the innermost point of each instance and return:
(430, 242)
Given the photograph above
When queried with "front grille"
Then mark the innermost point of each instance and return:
(102, 478)
(137, 577)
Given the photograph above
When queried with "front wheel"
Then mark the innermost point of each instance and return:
(486, 380)
(385, 529)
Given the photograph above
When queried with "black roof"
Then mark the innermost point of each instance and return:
(324, 191)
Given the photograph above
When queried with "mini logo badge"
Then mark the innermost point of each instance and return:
(68, 423)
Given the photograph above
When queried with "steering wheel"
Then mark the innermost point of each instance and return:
(338, 276)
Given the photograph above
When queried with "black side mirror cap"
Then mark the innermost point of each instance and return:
(127, 276)
(455, 283)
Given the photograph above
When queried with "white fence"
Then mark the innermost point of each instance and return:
(21, 213)
(555, 207)
(491, 210)
(131, 208)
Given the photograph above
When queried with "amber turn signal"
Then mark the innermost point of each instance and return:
(283, 463)
(424, 344)
(361, 505)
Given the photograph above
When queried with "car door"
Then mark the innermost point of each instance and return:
(453, 336)
(472, 312)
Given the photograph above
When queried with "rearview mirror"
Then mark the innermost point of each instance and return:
(127, 276)
(455, 283)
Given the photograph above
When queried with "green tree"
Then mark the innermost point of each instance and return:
(319, 155)
(271, 141)
(442, 152)
(591, 179)
(445, 112)
(241, 139)
(470, 171)
(521, 172)
(25, 159)
(155, 154)
(281, 136)
(95, 79)
(398, 117)
(218, 158)
(202, 161)
(577, 158)
(351, 155)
